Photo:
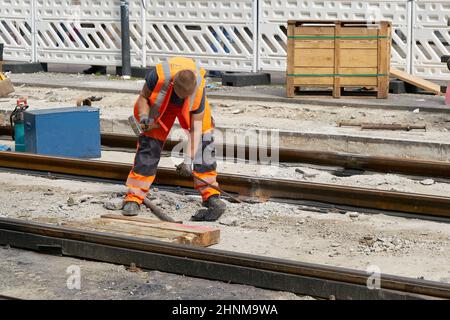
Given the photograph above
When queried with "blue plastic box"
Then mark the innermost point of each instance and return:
(67, 132)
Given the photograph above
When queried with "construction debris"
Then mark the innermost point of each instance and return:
(6, 86)
(382, 126)
(87, 101)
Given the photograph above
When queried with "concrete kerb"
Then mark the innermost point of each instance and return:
(355, 144)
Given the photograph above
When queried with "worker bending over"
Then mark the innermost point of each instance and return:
(175, 89)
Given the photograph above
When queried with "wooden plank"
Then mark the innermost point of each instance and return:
(121, 228)
(311, 81)
(204, 235)
(314, 31)
(359, 44)
(313, 70)
(337, 62)
(290, 90)
(416, 81)
(358, 31)
(359, 81)
(384, 56)
(313, 44)
(359, 70)
(314, 57)
(359, 58)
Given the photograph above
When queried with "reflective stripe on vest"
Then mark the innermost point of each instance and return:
(155, 107)
(199, 83)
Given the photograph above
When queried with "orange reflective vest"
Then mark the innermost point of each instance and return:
(160, 97)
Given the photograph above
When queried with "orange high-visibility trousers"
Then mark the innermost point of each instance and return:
(149, 150)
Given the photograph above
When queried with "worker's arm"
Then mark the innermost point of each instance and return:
(143, 101)
(195, 135)
(195, 138)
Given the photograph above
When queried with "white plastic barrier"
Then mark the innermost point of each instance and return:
(220, 34)
(431, 38)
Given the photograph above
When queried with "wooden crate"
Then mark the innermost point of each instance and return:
(338, 54)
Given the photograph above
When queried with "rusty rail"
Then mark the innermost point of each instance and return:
(438, 169)
(278, 274)
(412, 203)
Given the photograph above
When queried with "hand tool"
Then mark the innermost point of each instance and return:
(158, 212)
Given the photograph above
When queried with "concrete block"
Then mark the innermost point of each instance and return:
(136, 72)
(24, 67)
(241, 79)
(447, 96)
(397, 87)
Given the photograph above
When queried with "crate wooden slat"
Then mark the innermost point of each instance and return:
(338, 55)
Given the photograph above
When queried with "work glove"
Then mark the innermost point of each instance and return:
(145, 121)
(184, 169)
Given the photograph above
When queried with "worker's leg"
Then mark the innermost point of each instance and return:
(205, 167)
(205, 164)
(147, 159)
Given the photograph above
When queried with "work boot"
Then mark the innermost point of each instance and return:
(131, 208)
(216, 207)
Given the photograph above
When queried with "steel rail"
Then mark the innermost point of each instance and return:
(277, 274)
(426, 168)
(412, 203)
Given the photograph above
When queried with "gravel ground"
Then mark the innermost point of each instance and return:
(408, 247)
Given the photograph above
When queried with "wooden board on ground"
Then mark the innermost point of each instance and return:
(202, 236)
(416, 81)
(6, 87)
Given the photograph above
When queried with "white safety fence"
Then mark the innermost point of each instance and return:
(230, 35)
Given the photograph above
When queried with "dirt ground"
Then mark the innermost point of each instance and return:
(401, 246)
(29, 278)
(244, 114)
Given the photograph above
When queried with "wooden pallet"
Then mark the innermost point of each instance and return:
(202, 236)
(338, 55)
